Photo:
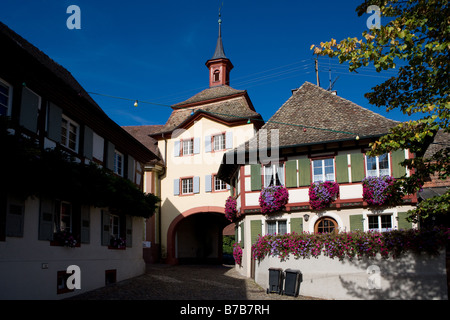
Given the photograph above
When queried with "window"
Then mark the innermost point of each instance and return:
(61, 282)
(323, 170)
(326, 225)
(380, 222)
(187, 186)
(276, 227)
(114, 226)
(187, 147)
(118, 163)
(216, 75)
(377, 166)
(69, 134)
(274, 175)
(63, 218)
(219, 185)
(219, 142)
(5, 99)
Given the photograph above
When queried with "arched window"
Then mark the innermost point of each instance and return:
(216, 75)
(326, 225)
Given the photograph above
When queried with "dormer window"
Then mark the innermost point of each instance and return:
(216, 75)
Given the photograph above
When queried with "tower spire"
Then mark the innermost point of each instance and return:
(220, 52)
(219, 65)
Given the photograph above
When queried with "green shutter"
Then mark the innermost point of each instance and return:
(304, 172)
(297, 225)
(398, 170)
(402, 222)
(356, 222)
(255, 229)
(291, 173)
(255, 170)
(357, 167)
(341, 168)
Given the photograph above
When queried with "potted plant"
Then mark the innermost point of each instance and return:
(273, 199)
(322, 194)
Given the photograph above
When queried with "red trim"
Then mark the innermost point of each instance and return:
(171, 259)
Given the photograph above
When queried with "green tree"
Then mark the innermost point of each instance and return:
(416, 42)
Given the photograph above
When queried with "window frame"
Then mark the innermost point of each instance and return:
(190, 148)
(379, 222)
(58, 219)
(223, 184)
(275, 176)
(216, 75)
(66, 144)
(190, 188)
(9, 97)
(116, 168)
(322, 167)
(377, 162)
(276, 222)
(113, 218)
(222, 144)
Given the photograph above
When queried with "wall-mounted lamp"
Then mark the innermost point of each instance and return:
(306, 216)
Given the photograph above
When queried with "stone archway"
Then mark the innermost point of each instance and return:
(195, 236)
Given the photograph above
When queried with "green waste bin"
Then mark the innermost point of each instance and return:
(275, 280)
(292, 279)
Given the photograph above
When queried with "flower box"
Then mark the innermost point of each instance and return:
(379, 191)
(117, 243)
(322, 194)
(273, 199)
(64, 239)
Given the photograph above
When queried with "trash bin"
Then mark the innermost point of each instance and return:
(275, 280)
(292, 279)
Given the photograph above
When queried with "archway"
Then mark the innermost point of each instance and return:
(195, 236)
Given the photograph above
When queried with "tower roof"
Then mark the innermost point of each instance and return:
(220, 52)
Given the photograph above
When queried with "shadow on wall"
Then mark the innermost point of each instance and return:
(420, 277)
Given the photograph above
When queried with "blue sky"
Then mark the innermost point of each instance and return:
(156, 50)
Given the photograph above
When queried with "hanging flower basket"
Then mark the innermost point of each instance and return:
(237, 253)
(379, 191)
(322, 194)
(273, 198)
(230, 208)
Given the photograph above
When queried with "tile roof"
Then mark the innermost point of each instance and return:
(142, 134)
(221, 102)
(325, 116)
(210, 94)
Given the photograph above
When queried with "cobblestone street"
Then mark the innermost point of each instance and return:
(186, 282)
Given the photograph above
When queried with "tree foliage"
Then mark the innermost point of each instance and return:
(416, 42)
